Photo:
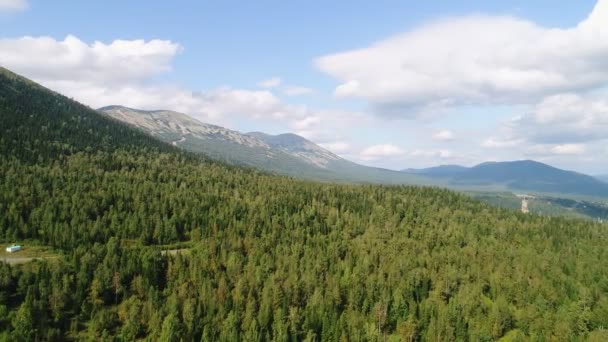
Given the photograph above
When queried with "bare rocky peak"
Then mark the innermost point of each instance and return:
(180, 127)
(159, 122)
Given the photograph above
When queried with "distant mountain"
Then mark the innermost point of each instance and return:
(287, 154)
(524, 175)
(603, 178)
(439, 171)
(298, 147)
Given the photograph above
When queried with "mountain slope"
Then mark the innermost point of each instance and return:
(286, 154)
(524, 175)
(603, 178)
(173, 125)
(38, 123)
(298, 147)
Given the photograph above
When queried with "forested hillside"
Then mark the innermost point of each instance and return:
(272, 258)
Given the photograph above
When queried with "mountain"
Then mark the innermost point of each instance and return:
(438, 171)
(177, 127)
(286, 154)
(524, 175)
(603, 178)
(298, 147)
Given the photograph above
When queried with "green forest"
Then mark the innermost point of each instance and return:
(270, 258)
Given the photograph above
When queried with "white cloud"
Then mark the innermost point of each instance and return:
(381, 151)
(473, 60)
(270, 83)
(327, 126)
(432, 154)
(251, 103)
(306, 123)
(13, 5)
(443, 135)
(129, 94)
(566, 129)
(552, 151)
(118, 72)
(498, 143)
(71, 59)
(563, 119)
(297, 90)
(98, 73)
(569, 149)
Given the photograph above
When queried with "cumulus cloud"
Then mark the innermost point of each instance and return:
(306, 123)
(565, 118)
(270, 83)
(569, 149)
(552, 151)
(380, 151)
(328, 126)
(559, 124)
(569, 129)
(434, 154)
(45, 58)
(474, 60)
(99, 73)
(13, 5)
(118, 72)
(443, 135)
(251, 103)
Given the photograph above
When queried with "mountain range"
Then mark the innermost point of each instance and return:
(286, 154)
(523, 175)
(293, 155)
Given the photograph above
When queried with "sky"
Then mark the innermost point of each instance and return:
(394, 84)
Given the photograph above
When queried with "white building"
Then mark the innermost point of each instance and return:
(13, 248)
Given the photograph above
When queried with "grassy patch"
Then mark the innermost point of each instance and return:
(28, 250)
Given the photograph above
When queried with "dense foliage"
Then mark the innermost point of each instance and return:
(38, 125)
(273, 258)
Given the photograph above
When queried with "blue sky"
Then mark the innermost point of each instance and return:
(213, 57)
(241, 42)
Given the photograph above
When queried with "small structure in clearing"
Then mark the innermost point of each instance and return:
(524, 203)
(13, 248)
